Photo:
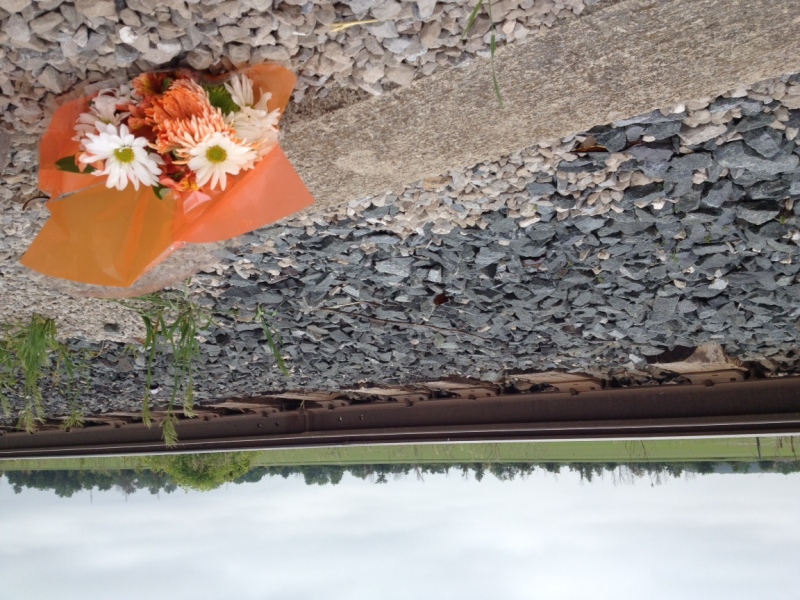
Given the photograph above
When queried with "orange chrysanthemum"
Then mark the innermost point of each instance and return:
(183, 99)
(139, 123)
(152, 84)
(183, 116)
(182, 134)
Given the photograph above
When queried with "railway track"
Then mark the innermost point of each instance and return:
(565, 406)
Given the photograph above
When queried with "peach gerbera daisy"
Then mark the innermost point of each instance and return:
(180, 135)
(183, 117)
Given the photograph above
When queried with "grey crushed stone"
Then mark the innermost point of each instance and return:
(737, 155)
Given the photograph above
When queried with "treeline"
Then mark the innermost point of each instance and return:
(333, 474)
(210, 471)
(67, 483)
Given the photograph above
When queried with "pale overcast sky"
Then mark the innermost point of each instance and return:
(715, 536)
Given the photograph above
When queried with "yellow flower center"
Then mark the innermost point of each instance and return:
(124, 155)
(216, 154)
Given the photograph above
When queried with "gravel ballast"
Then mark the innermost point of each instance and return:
(593, 252)
(685, 231)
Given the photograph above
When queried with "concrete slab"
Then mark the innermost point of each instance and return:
(623, 60)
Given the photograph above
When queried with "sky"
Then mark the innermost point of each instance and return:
(445, 538)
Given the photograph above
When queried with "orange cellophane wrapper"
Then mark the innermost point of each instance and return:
(106, 237)
(58, 143)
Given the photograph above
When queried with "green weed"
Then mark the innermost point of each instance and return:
(6, 381)
(492, 43)
(171, 321)
(168, 432)
(30, 353)
(74, 420)
(274, 339)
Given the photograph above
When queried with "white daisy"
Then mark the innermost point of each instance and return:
(125, 155)
(254, 122)
(102, 111)
(124, 92)
(217, 156)
(256, 126)
(240, 88)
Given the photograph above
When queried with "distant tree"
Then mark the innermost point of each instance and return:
(674, 469)
(253, 475)
(704, 468)
(322, 474)
(66, 483)
(787, 467)
(739, 467)
(202, 471)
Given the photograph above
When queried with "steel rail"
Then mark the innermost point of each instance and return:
(760, 407)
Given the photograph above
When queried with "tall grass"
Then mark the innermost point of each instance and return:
(30, 354)
(274, 339)
(31, 357)
(172, 322)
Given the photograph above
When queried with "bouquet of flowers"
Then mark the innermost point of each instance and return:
(137, 170)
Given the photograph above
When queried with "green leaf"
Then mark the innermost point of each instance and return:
(161, 191)
(274, 339)
(166, 83)
(221, 98)
(492, 50)
(472, 18)
(69, 165)
(494, 73)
